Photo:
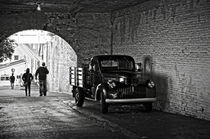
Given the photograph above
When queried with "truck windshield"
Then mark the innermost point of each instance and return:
(116, 63)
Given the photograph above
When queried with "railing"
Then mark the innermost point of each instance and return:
(76, 76)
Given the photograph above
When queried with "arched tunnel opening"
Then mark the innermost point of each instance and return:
(31, 48)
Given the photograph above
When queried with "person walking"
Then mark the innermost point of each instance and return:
(27, 78)
(42, 72)
(12, 80)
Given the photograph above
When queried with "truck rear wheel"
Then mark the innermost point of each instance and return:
(79, 97)
(104, 105)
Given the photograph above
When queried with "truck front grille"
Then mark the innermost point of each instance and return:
(130, 92)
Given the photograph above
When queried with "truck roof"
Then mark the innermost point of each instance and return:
(111, 56)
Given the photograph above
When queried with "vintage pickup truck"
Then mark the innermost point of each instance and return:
(112, 79)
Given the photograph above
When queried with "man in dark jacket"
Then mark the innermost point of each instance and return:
(42, 72)
(27, 78)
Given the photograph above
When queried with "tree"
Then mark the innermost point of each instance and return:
(6, 49)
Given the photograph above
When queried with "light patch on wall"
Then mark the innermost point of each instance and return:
(31, 36)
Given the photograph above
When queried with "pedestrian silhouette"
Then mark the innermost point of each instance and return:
(27, 78)
(42, 72)
(12, 80)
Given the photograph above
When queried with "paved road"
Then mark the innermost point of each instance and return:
(45, 117)
(56, 116)
(134, 122)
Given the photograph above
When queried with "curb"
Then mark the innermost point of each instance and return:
(113, 127)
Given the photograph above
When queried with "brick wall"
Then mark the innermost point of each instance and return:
(87, 33)
(175, 34)
(93, 35)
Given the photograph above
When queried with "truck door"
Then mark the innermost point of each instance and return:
(91, 80)
(94, 75)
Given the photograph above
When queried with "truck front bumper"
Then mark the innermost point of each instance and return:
(133, 100)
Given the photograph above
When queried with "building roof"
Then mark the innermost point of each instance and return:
(12, 64)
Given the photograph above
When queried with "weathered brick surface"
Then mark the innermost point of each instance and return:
(86, 31)
(93, 35)
(176, 35)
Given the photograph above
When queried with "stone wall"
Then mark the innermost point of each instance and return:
(175, 35)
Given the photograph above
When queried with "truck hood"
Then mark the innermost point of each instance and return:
(121, 72)
(126, 77)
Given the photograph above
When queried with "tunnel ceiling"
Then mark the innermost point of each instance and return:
(75, 6)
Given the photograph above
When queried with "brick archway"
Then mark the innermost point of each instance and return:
(13, 23)
(85, 32)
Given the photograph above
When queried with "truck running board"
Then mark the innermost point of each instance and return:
(90, 99)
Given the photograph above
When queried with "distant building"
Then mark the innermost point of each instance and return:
(21, 59)
(17, 67)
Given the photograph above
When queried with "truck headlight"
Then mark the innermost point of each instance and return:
(111, 84)
(150, 84)
(122, 79)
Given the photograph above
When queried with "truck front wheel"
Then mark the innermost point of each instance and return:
(79, 97)
(104, 105)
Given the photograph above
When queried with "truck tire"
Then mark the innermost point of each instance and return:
(79, 97)
(104, 105)
(148, 106)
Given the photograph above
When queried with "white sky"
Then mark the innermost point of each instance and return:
(31, 36)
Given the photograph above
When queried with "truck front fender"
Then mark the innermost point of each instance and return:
(100, 88)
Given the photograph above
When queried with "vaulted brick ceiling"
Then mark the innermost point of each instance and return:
(98, 6)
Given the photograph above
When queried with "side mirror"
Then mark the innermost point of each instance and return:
(91, 67)
(138, 67)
